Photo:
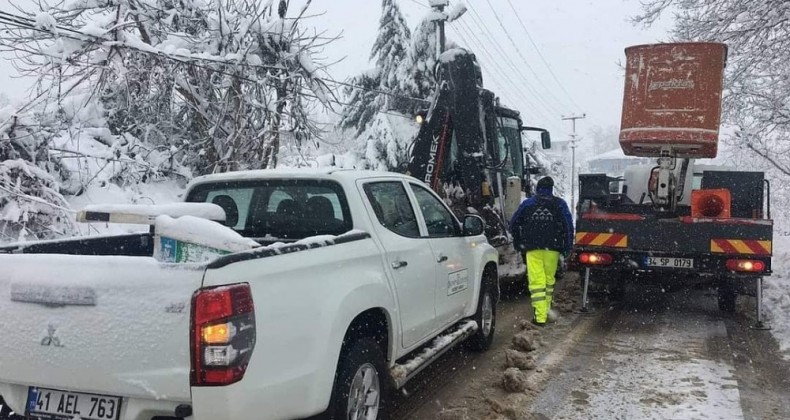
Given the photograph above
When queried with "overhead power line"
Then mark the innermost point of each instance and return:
(496, 64)
(420, 3)
(533, 111)
(543, 59)
(555, 106)
(513, 43)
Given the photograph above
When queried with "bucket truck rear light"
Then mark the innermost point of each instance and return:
(222, 335)
(593, 258)
(746, 266)
(711, 203)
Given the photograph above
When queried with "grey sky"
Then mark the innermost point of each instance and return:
(582, 41)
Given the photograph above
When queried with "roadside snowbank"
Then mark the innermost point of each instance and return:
(777, 292)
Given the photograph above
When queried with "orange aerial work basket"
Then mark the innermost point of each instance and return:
(672, 99)
(716, 204)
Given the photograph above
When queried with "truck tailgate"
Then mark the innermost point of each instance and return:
(107, 325)
(672, 235)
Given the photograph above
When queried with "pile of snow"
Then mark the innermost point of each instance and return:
(777, 291)
(199, 231)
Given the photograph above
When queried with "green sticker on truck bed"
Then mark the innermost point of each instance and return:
(175, 251)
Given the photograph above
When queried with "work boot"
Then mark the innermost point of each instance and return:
(538, 324)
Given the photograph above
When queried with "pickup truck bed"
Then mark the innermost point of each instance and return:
(102, 329)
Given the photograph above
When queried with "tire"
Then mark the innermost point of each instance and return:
(726, 299)
(617, 292)
(485, 318)
(617, 286)
(360, 359)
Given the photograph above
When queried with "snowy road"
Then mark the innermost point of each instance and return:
(659, 356)
(667, 357)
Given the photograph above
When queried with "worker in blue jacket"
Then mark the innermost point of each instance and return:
(543, 228)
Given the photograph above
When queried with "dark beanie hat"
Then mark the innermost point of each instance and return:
(546, 182)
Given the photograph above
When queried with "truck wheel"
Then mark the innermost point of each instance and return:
(727, 298)
(617, 292)
(616, 286)
(485, 318)
(362, 383)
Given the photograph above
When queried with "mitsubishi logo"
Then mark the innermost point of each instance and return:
(50, 339)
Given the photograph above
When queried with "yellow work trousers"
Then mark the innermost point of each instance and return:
(541, 269)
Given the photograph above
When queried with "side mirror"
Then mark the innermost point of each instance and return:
(545, 139)
(474, 225)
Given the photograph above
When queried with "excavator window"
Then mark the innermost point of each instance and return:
(508, 157)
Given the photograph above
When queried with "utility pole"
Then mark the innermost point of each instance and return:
(574, 141)
(439, 6)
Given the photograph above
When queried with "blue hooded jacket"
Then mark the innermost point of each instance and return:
(543, 222)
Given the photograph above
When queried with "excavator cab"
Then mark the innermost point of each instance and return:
(469, 148)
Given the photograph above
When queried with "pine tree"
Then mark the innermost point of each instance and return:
(378, 96)
(419, 76)
(389, 53)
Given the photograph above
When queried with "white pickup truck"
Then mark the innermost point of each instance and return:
(361, 281)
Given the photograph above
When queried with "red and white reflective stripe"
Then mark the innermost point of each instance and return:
(741, 246)
(611, 240)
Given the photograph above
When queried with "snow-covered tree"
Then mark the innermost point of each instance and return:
(378, 96)
(604, 139)
(757, 91)
(368, 95)
(134, 91)
(364, 102)
(390, 52)
(30, 205)
(420, 77)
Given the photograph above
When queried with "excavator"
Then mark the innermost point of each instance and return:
(469, 150)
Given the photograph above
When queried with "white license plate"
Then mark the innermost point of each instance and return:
(54, 404)
(669, 262)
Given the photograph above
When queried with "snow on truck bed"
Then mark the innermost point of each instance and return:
(203, 232)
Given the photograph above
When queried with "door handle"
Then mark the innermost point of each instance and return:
(441, 259)
(399, 264)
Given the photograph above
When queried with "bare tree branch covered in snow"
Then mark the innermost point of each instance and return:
(757, 94)
(130, 91)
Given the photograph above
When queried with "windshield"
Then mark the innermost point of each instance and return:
(279, 209)
(509, 154)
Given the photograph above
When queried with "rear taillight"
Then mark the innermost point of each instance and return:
(746, 266)
(223, 334)
(594, 258)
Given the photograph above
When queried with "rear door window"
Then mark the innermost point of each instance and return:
(279, 210)
(392, 207)
(440, 221)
